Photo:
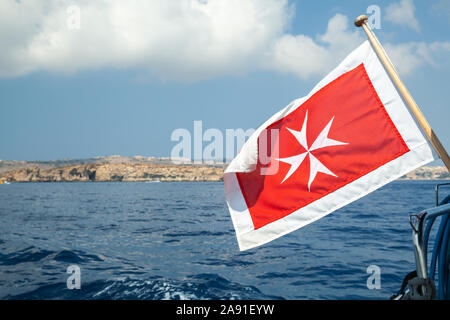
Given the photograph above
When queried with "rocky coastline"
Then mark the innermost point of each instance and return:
(116, 173)
(140, 169)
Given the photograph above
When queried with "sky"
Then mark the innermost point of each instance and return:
(80, 79)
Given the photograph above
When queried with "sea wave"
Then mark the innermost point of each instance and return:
(201, 286)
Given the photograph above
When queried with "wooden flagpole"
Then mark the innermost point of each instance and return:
(361, 21)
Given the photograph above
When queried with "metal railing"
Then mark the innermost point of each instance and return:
(421, 225)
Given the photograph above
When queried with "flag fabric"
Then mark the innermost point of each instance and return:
(349, 136)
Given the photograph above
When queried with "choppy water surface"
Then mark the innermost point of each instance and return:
(176, 241)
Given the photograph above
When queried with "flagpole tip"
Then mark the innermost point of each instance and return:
(360, 20)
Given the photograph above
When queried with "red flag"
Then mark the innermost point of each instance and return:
(349, 136)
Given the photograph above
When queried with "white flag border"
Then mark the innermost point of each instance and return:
(420, 154)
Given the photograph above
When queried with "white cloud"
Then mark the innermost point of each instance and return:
(410, 56)
(184, 40)
(174, 39)
(402, 13)
(305, 57)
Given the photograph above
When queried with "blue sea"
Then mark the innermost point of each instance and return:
(176, 241)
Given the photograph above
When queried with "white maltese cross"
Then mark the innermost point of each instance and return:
(321, 141)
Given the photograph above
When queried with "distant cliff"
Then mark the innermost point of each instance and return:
(116, 172)
(118, 168)
(428, 173)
